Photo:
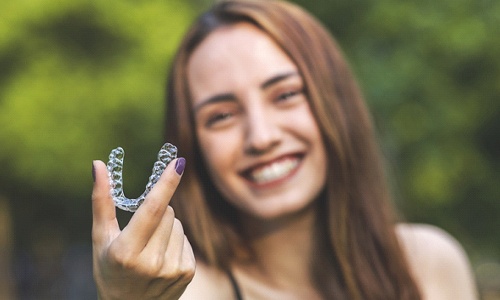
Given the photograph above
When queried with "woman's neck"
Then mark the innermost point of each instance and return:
(282, 250)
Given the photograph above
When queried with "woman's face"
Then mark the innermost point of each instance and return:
(258, 136)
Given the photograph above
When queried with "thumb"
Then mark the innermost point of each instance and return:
(103, 208)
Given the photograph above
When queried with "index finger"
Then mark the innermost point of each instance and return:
(144, 222)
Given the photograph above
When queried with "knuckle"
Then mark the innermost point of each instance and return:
(121, 257)
(154, 265)
(188, 271)
(146, 266)
(181, 270)
(186, 277)
(179, 274)
(96, 236)
(154, 208)
(171, 273)
(150, 267)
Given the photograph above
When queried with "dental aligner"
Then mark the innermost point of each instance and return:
(166, 154)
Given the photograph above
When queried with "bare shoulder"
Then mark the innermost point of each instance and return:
(208, 283)
(438, 262)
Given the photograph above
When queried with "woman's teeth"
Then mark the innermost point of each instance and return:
(274, 171)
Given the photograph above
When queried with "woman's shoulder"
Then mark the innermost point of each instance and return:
(208, 283)
(423, 239)
(438, 262)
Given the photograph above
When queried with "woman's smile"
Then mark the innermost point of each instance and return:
(272, 173)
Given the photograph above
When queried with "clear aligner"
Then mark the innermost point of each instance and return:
(166, 154)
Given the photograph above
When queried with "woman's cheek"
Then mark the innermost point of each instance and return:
(218, 150)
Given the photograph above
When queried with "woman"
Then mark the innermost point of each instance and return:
(284, 195)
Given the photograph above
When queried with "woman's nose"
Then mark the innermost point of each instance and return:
(262, 132)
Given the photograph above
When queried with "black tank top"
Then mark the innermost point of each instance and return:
(236, 288)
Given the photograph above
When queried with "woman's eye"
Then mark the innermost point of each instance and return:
(217, 118)
(288, 95)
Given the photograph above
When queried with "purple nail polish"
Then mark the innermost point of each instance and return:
(93, 171)
(179, 165)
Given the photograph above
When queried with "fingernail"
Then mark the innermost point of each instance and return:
(93, 171)
(179, 165)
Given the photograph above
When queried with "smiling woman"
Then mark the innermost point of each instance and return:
(268, 166)
(283, 195)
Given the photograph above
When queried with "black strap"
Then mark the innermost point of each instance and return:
(236, 288)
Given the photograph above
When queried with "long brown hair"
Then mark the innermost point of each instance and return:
(357, 251)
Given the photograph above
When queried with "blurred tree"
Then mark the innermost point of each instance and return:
(77, 77)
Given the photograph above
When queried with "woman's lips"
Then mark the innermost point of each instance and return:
(273, 171)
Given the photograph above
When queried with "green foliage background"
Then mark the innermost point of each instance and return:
(431, 74)
(78, 78)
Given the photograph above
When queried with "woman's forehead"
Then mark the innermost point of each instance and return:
(235, 56)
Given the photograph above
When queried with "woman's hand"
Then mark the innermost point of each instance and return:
(151, 257)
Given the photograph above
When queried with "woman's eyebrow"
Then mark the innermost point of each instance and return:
(227, 97)
(277, 78)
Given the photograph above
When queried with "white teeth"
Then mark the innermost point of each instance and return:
(274, 171)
